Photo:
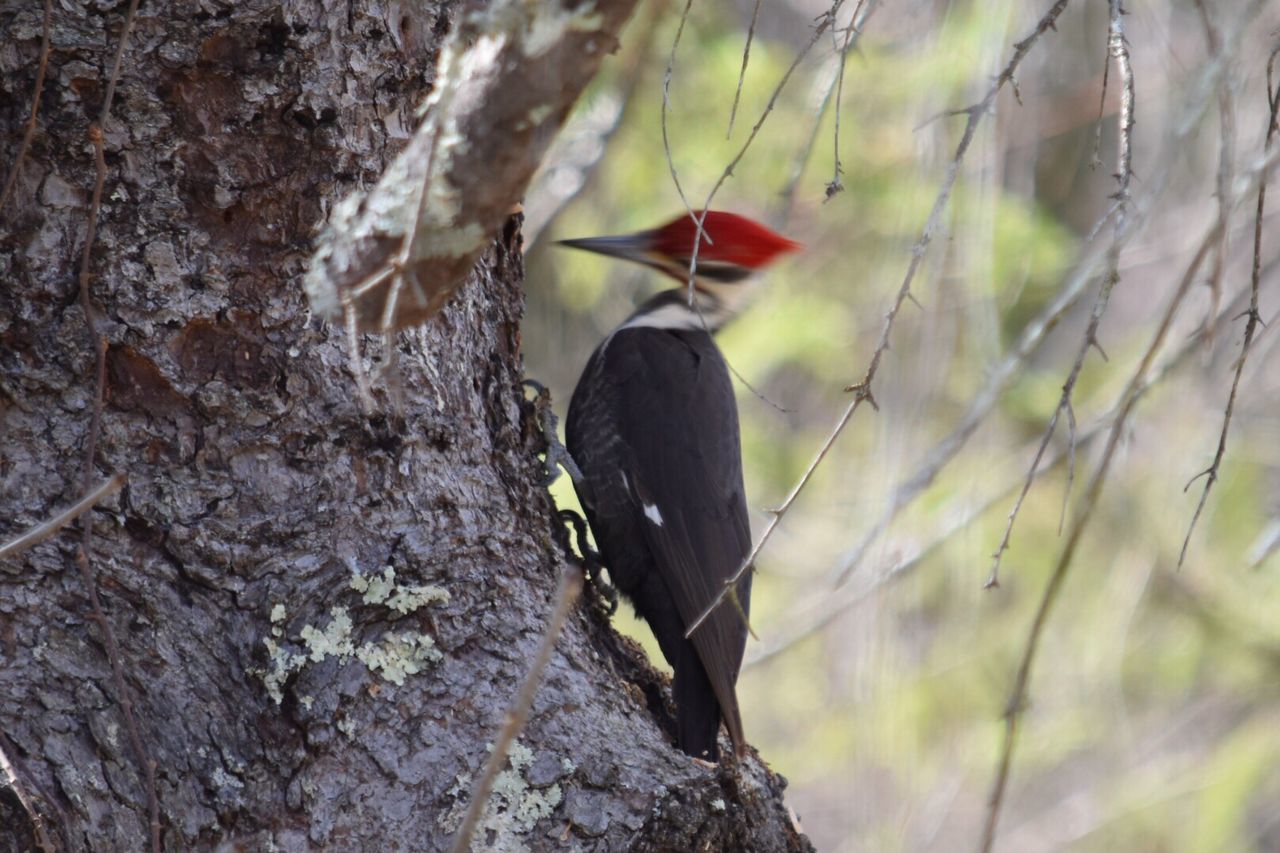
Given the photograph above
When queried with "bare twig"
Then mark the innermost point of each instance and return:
(566, 593)
(396, 274)
(1119, 51)
(355, 354)
(29, 131)
(1226, 155)
(862, 391)
(742, 75)
(984, 402)
(824, 92)
(1084, 512)
(1002, 377)
(46, 529)
(1251, 325)
(835, 186)
(99, 342)
(830, 605)
(1088, 502)
(43, 840)
(825, 22)
(1096, 160)
(666, 136)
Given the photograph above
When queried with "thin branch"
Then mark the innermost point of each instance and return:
(85, 552)
(862, 390)
(355, 352)
(29, 131)
(1096, 160)
(835, 186)
(1226, 155)
(1084, 512)
(824, 93)
(830, 607)
(518, 714)
(43, 840)
(742, 75)
(832, 604)
(999, 381)
(47, 529)
(1251, 325)
(393, 272)
(666, 137)
(825, 22)
(1119, 51)
(1002, 377)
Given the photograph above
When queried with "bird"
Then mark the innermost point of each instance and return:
(653, 429)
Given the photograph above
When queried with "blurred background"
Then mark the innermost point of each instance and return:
(883, 665)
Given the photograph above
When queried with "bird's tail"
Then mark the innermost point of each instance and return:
(699, 709)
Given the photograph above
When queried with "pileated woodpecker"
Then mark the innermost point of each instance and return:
(653, 426)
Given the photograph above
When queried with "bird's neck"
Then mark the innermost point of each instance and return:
(713, 306)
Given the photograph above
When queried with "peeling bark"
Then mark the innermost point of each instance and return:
(385, 578)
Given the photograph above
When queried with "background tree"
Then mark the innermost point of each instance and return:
(293, 625)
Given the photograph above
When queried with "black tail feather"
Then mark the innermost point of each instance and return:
(697, 710)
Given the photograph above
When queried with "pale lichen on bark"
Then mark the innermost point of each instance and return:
(514, 806)
(395, 656)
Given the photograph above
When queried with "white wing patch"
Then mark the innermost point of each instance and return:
(651, 513)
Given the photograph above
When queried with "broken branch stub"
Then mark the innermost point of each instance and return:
(506, 82)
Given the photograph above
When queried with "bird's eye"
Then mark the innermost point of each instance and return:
(722, 272)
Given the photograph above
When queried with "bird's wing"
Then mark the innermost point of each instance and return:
(679, 429)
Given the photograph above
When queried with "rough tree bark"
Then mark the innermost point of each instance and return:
(320, 616)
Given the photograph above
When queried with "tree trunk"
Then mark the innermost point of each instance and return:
(320, 617)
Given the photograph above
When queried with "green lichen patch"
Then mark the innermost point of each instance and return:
(394, 657)
(514, 806)
(333, 641)
(399, 655)
(383, 589)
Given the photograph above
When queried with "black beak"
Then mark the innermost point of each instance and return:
(630, 247)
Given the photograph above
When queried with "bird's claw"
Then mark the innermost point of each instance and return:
(594, 563)
(557, 455)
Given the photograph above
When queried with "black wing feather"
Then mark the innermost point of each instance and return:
(669, 422)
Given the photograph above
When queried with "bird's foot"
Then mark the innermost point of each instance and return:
(592, 561)
(556, 455)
